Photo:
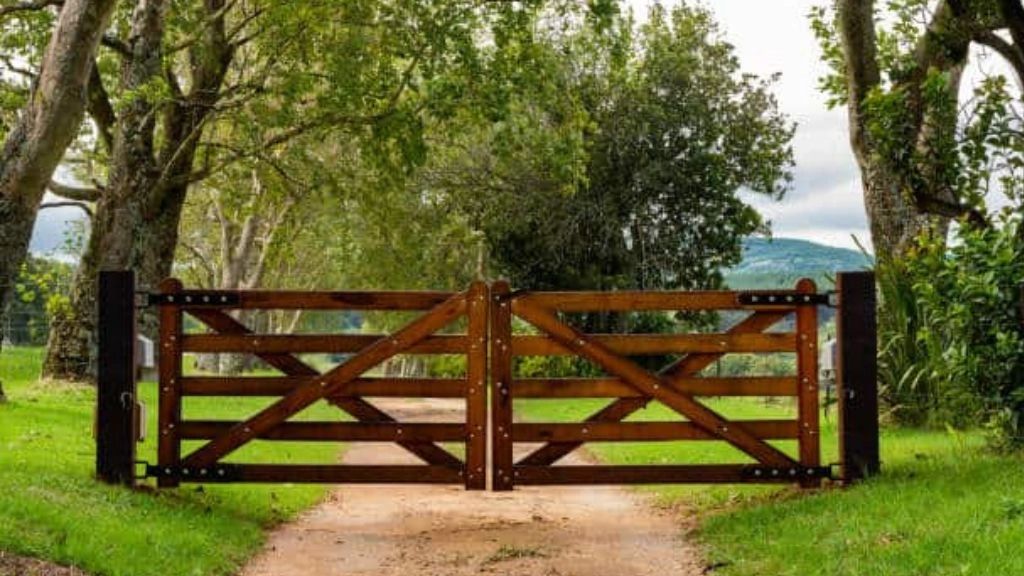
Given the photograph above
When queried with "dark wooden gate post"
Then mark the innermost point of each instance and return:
(857, 375)
(115, 378)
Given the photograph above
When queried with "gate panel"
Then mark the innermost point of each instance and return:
(301, 385)
(676, 386)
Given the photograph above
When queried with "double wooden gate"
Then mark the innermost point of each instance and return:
(477, 325)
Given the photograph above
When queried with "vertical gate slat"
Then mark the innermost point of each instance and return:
(502, 477)
(169, 444)
(476, 388)
(807, 381)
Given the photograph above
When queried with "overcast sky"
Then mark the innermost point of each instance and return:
(825, 204)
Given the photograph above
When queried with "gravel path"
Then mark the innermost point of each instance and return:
(421, 530)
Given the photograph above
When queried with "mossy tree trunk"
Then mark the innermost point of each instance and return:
(45, 128)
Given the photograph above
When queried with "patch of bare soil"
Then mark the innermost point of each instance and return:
(11, 565)
(422, 530)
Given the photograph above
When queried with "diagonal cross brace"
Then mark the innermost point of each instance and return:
(621, 409)
(650, 384)
(330, 383)
(358, 408)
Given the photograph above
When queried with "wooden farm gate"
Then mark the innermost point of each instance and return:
(300, 385)
(477, 325)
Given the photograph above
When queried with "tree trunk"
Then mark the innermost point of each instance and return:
(902, 196)
(45, 128)
(895, 222)
(70, 351)
(136, 222)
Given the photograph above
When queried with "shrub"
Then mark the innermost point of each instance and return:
(969, 329)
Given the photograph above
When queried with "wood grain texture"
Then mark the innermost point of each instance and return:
(501, 388)
(630, 301)
(656, 344)
(643, 431)
(312, 344)
(338, 474)
(478, 310)
(298, 300)
(339, 431)
(281, 385)
(616, 388)
(661, 474)
(169, 382)
(807, 374)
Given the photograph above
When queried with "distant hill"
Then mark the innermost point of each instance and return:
(780, 262)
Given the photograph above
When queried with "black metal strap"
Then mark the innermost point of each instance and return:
(785, 472)
(215, 473)
(782, 299)
(194, 298)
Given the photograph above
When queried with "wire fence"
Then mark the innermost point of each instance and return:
(24, 328)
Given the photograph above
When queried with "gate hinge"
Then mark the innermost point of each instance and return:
(785, 472)
(762, 298)
(194, 298)
(215, 473)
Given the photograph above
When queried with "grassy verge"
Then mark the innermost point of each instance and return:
(942, 507)
(51, 508)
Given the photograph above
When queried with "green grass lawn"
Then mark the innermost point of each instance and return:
(52, 508)
(943, 506)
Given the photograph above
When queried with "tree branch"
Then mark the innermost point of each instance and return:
(77, 193)
(203, 261)
(10, 65)
(84, 207)
(99, 108)
(34, 6)
(1013, 16)
(1008, 51)
(857, 28)
(929, 204)
(197, 32)
(116, 44)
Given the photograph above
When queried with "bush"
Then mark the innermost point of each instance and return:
(968, 328)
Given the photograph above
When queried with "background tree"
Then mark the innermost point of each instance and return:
(259, 71)
(898, 71)
(47, 122)
(669, 131)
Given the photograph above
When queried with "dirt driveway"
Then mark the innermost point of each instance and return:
(445, 531)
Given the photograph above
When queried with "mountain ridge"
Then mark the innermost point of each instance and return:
(780, 262)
